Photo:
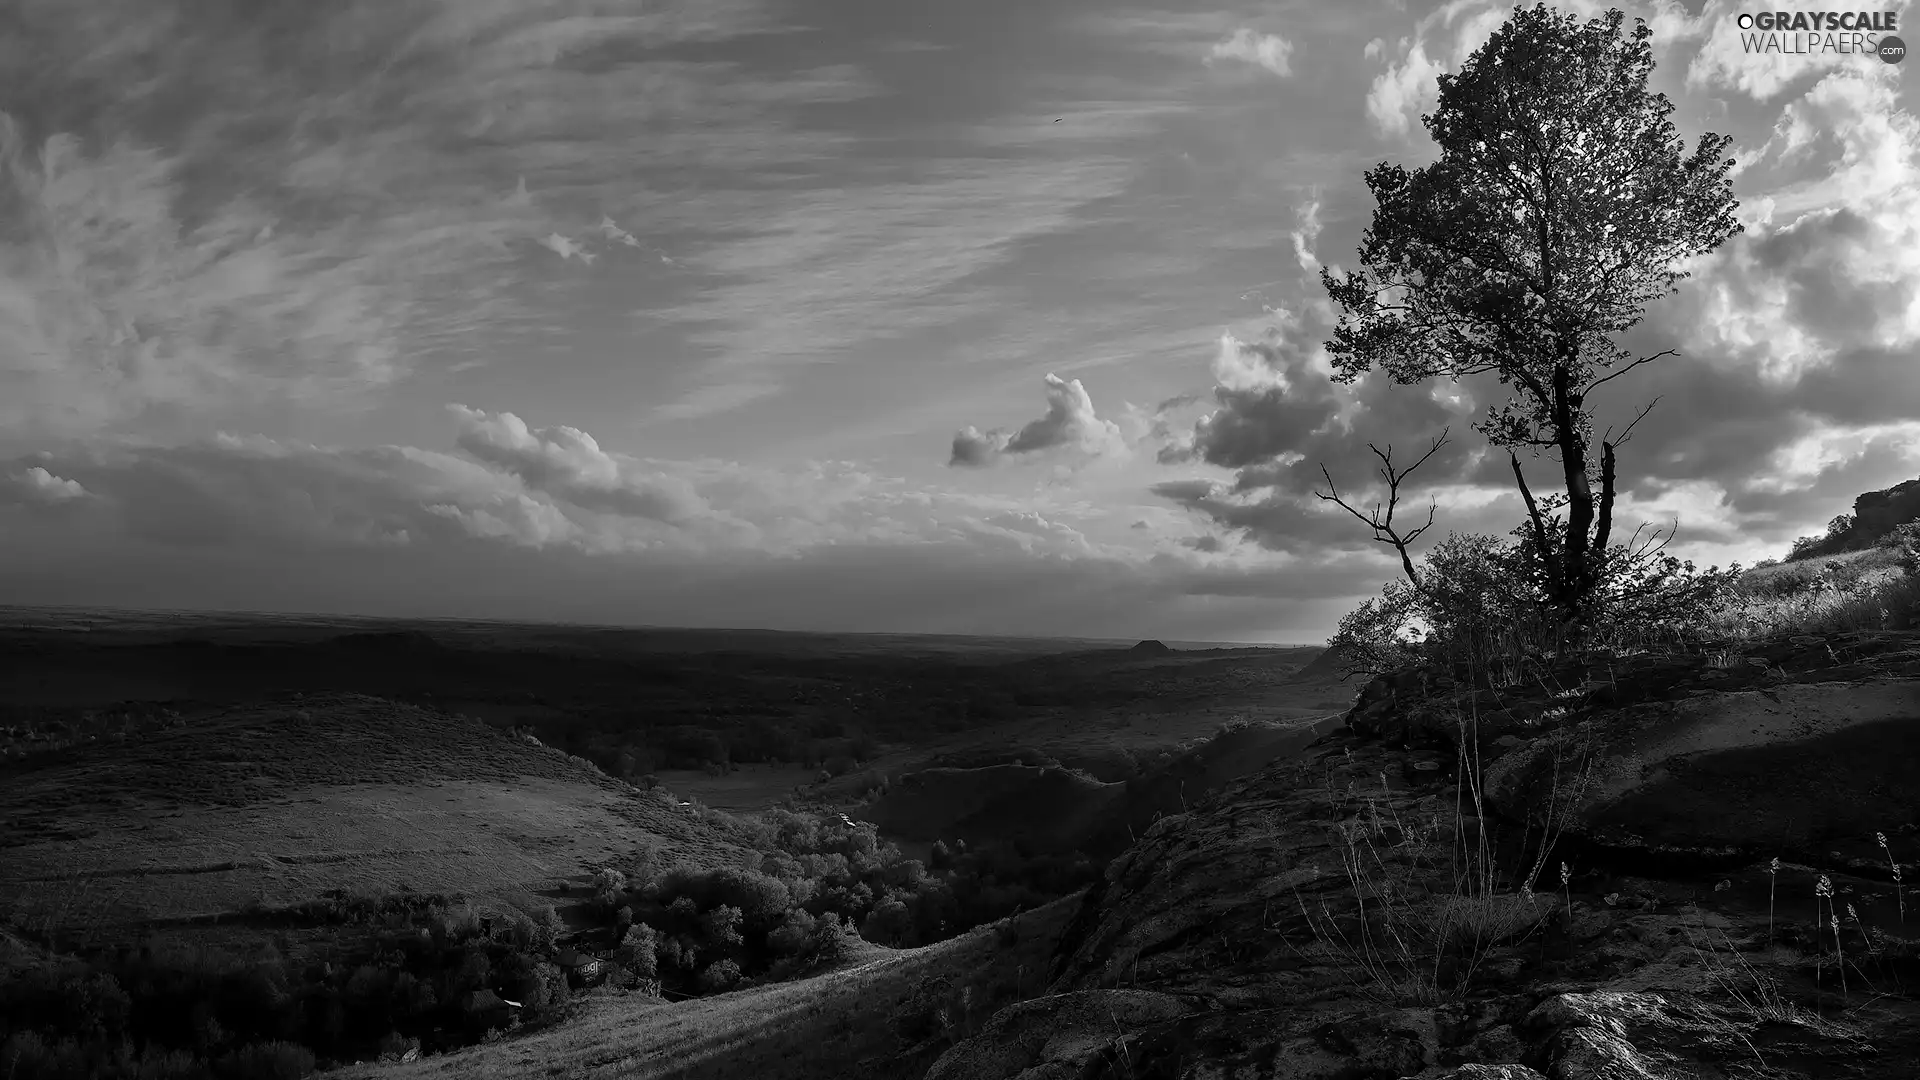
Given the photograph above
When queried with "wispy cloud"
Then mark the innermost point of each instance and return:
(234, 219)
(1269, 51)
(822, 272)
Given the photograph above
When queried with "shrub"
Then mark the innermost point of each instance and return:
(395, 1046)
(720, 975)
(637, 951)
(889, 923)
(794, 936)
(722, 926)
(1378, 636)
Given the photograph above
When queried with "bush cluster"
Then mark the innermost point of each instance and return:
(172, 1012)
(1481, 601)
(808, 885)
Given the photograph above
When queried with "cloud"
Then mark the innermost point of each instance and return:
(1723, 62)
(1269, 396)
(900, 256)
(520, 524)
(1269, 51)
(1792, 393)
(238, 226)
(1070, 423)
(974, 448)
(36, 484)
(1410, 87)
(1305, 235)
(568, 463)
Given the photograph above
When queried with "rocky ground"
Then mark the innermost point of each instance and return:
(1333, 918)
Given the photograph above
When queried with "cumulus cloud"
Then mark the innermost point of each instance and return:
(1269, 51)
(36, 484)
(567, 462)
(1070, 423)
(1410, 87)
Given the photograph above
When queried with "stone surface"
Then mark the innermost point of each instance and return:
(1743, 774)
(1053, 1034)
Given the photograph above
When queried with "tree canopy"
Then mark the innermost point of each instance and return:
(1563, 204)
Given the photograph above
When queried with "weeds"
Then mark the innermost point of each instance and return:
(1773, 882)
(1899, 889)
(1424, 924)
(1823, 890)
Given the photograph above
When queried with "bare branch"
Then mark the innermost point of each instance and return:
(1595, 385)
(1382, 526)
(1643, 414)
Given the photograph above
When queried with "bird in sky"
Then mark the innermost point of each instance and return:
(567, 248)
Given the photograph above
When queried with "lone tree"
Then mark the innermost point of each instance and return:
(1561, 206)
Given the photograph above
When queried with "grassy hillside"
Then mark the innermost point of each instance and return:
(262, 805)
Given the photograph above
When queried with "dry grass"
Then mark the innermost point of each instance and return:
(1432, 904)
(1859, 590)
(1429, 908)
(838, 1024)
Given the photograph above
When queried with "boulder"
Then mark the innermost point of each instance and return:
(1056, 1033)
(1626, 1035)
(1746, 775)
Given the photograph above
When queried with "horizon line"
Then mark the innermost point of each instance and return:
(482, 620)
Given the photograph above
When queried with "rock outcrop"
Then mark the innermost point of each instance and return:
(1658, 939)
(1792, 771)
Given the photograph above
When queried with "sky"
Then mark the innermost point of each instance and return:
(861, 315)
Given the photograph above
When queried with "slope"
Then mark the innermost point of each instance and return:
(275, 802)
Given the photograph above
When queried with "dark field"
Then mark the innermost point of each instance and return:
(638, 701)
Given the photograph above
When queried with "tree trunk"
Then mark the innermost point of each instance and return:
(1603, 530)
(1540, 538)
(1573, 586)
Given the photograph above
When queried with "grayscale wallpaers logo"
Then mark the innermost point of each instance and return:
(1820, 33)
